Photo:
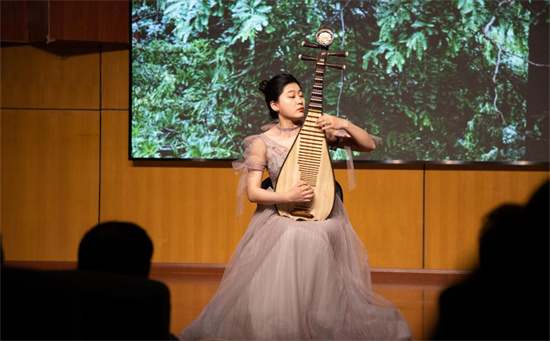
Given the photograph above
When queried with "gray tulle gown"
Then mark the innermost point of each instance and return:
(295, 280)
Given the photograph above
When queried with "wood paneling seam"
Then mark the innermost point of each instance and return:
(423, 216)
(100, 129)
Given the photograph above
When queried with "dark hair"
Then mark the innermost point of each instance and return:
(116, 247)
(273, 88)
(499, 233)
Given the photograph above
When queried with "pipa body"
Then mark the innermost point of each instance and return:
(309, 161)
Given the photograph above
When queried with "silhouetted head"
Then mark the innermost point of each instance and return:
(536, 246)
(273, 88)
(116, 247)
(500, 230)
(537, 208)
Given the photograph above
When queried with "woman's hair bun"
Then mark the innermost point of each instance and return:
(262, 86)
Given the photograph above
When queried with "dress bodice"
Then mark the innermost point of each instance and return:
(276, 154)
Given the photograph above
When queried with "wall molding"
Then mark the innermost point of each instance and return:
(168, 271)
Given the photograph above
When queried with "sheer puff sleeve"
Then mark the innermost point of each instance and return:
(336, 142)
(254, 159)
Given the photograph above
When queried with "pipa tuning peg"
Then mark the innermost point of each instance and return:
(304, 57)
(338, 54)
(308, 44)
(337, 66)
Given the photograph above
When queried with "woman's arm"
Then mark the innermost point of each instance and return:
(358, 139)
(299, 193)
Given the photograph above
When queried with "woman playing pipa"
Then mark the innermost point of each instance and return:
(295, 278)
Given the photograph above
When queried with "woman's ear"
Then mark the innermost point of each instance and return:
(274, 106)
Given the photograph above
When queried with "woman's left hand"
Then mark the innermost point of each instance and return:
(336, 128)
(332, 122)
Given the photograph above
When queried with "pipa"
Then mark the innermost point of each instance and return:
(308, 159)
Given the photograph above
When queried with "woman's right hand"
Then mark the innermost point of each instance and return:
(302, 192)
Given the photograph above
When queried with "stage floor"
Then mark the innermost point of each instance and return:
(417, 299)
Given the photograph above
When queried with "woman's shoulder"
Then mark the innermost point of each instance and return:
(257, 141)
(266, 139)
(270, 139)
(267, 135)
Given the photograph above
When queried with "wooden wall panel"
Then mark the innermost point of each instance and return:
(38, 20)
(114, 21)
(115, 77)
(49, 180)
(35, 78)
(107, 21)
(189, 212)
(457, 201)
(386, 212)
(14, 19)
(74, 20)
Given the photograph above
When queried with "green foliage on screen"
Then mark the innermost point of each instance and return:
(422, 75)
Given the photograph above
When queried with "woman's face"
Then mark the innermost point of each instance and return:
(291, 103)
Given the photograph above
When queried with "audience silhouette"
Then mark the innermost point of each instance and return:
(108, 297)
(117, 247)
(507, 296)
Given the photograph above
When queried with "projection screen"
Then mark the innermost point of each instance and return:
(436, 81)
